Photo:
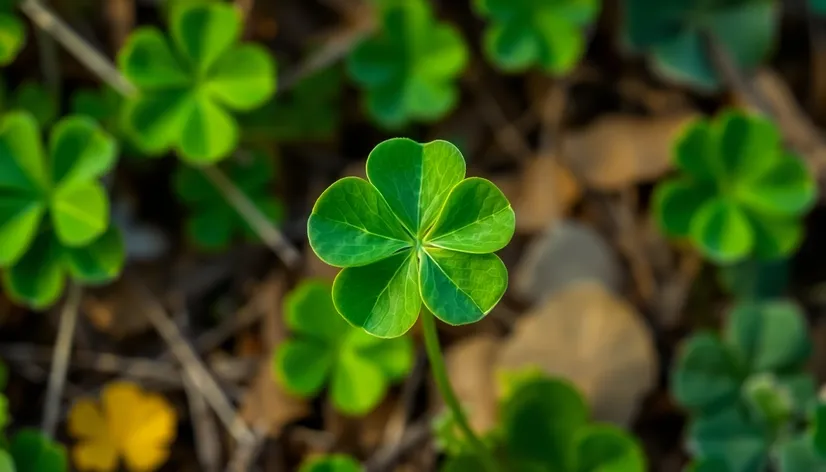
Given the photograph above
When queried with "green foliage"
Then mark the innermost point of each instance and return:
(747, 390)
(325, 349)
(12, 32)
(307, 112)
(818, 6)
(417, 231)
(36, 99)
(213, 222)
(756, 280)
(189, 84)
(34, 452)
(36, 252)
(545, 428)
(740, 195)
(674, 34)
(528, 33)
(331, 463)
(409, 68)
(105, 106)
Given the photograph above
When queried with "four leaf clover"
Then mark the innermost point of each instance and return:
(35, 251)
(527, 33)
(747, 386)
(358, 366)
(676, 33)
(189, 84)
(409, 67)
(128, 423)
(416, 231)
(214, 221)
(741, 194)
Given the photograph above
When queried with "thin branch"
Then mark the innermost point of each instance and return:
(60, 360)
(262, 226)
(79, 47)
(246, 453)
(49, 63)
(194, 368)
(103, 67)
(207, 445)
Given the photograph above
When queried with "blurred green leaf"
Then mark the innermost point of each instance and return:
(37, 100)
(324, 350)
(409, 68)
(741, 196)
(331, 463)
(33, 452)
(536, 33)
(64, 184)
(731, 437)
(190, 82)
(673, 35)
(12, 33)
(213, 222)
(769, 336)
(755, 280)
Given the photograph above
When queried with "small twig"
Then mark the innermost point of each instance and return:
(60, 360)
(247, 452)
(268, 233)
(194, 368)
(49, 62)
(387, 456)
(207, 445)
(79, 47)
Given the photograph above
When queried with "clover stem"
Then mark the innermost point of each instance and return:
(437, 366)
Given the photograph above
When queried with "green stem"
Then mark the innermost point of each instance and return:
(437, 366)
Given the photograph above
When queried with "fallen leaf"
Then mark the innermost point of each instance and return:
(594, 339)
(565, 253)
(547, 190)
(117, 310)
(620, 150)
(127, 423)
(469, 366)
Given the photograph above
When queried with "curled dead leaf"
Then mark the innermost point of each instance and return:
(594, 339)
(619, 150)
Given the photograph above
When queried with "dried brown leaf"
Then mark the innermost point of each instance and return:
(469, 366)
(546, 191)
(619, 150)
(593, 338)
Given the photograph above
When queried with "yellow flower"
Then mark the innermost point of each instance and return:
(128, 423)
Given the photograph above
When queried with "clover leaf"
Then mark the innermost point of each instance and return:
(12, 32)
(213, 222)
(34, 452)
(309, 111)
(740, 194)
(37, 251)
(528, 33)
(189, 83)
(747, 386)
(409, 67)
(105, 106)
(331, 463)
(36, 99)
(325, 349)
(545, 427)
(416, 231)
(674, 35)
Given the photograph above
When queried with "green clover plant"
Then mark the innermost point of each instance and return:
(416, 231)
(36, 250)
(537, 33)
(545, 427)
(34, 98)
(325, 349)
(741, 194)
(409, 67)
(12, 32)
(310, 111)
(32, 451)
(105, 106)
(747, 391)
(189, 83)
(675, 33)
(331, 463)
(213, 222)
